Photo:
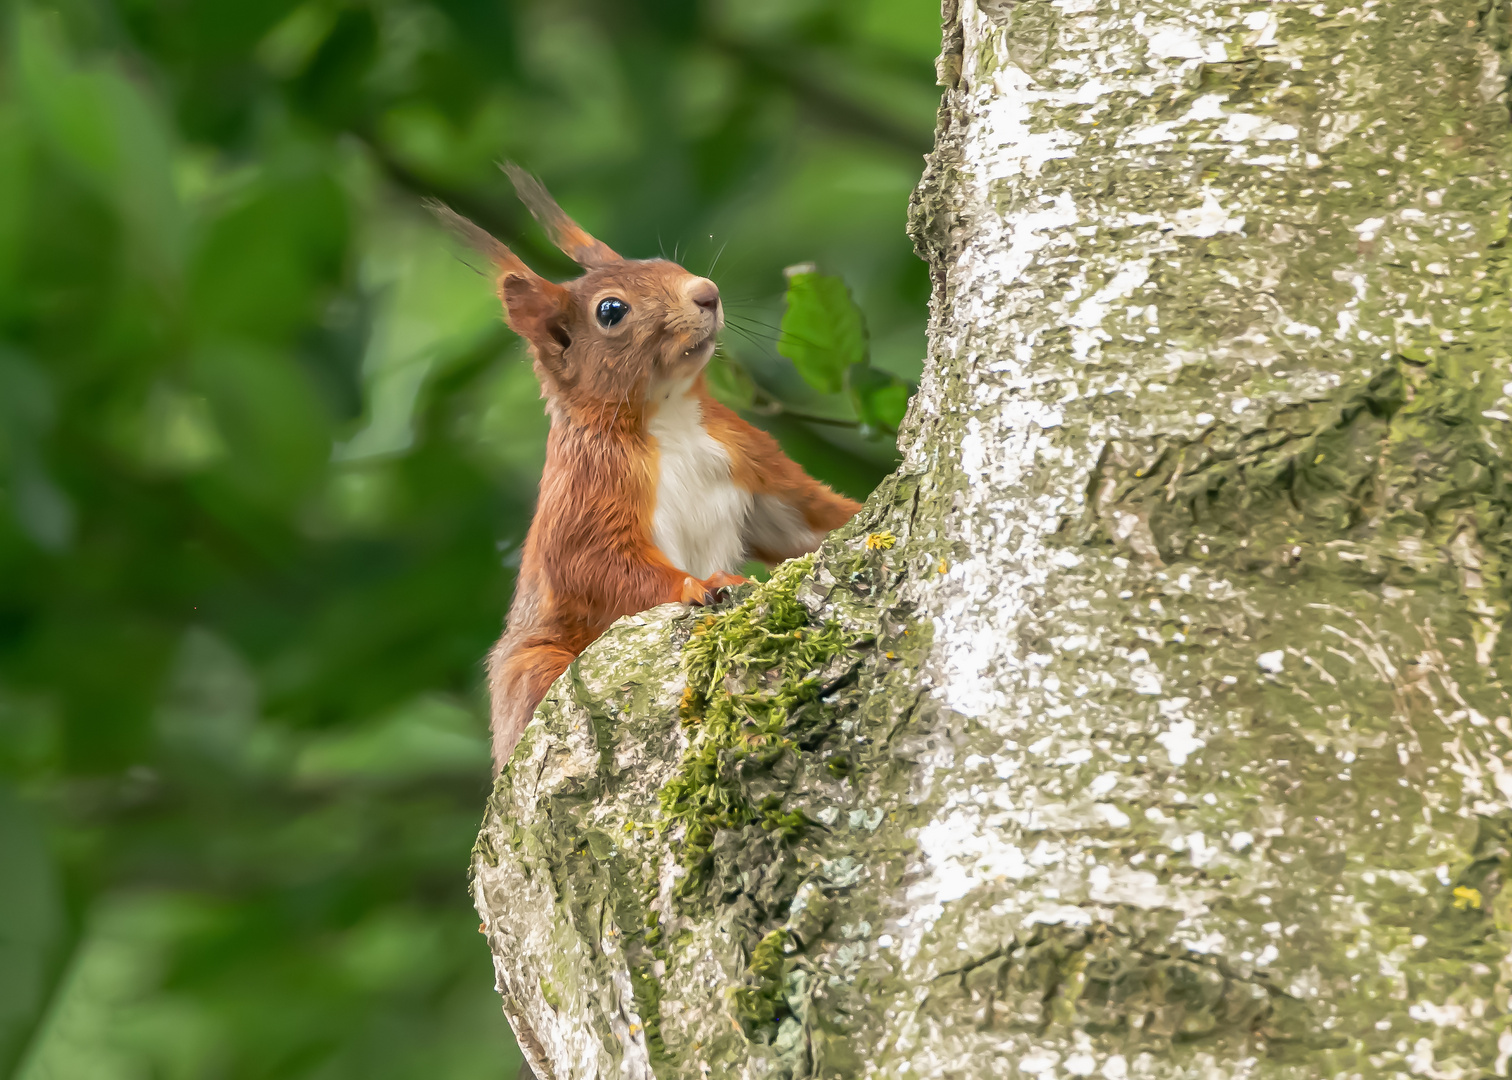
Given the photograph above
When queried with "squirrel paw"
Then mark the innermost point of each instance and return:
(721, 580)
(704, 592)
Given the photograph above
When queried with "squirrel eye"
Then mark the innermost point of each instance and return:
(611, 311)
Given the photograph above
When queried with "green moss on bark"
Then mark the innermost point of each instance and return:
(762, 1002)
(754, 683)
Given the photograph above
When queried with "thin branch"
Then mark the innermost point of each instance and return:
(770, 406)
(828, 105)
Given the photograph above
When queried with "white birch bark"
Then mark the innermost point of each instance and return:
(1171, 736)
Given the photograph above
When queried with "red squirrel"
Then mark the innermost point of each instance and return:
(653, 492)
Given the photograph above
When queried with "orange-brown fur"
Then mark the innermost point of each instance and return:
(589, 557)
(758, 464)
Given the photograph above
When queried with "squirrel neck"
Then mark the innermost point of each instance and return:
(622, 418)
(661, 394)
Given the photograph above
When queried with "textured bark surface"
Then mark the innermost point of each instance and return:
(1152, 720)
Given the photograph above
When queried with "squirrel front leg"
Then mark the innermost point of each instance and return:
(692, 590)
(627, 575)
(792, 511)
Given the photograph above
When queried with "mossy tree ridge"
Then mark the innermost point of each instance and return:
(750, 672)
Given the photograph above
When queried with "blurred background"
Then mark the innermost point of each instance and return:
(267, 454)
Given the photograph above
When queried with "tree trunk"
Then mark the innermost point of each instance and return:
(1151, 721)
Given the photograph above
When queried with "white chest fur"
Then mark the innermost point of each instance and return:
(701, 514)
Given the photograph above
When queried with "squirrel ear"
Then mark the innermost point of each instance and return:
(565, 233)
(536, 309)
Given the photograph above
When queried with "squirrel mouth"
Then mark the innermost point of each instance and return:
(703, 345)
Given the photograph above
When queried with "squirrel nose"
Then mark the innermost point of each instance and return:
(705, 294)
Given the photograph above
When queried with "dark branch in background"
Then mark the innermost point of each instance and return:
(506, 225)
(822, 103)
(898, 64)
(826, 104)
(770, 406)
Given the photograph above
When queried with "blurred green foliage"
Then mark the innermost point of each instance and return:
(266, 453)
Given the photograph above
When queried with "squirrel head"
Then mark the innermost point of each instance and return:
(606, 340)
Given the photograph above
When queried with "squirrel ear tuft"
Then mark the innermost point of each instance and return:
(565, 233)
(506, 262)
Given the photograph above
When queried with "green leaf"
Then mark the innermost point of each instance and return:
(880, 397)
(823, 333)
